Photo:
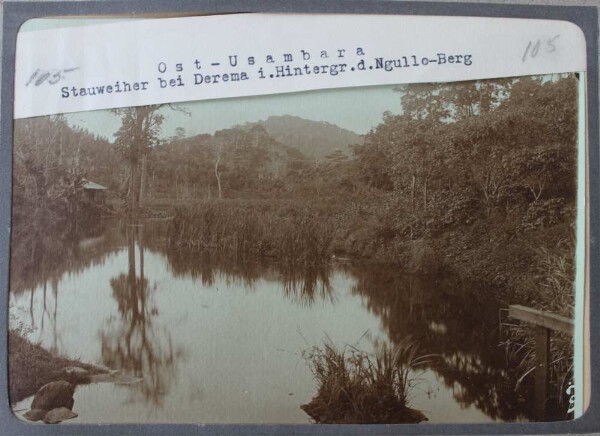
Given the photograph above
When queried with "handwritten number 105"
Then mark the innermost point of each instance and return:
(533, 48)
(50, 76)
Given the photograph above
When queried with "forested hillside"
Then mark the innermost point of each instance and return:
(231, 163)
(479, 176)
(476, 177)
(51, 161)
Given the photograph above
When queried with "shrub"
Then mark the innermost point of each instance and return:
(547, 213)
(360, 387)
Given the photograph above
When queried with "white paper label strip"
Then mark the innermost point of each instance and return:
(196, 58)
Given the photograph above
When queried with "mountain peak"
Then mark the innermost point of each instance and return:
(314, 139)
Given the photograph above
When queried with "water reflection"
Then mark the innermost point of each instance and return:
(43, 250)
(308, 285)
(243, 326)
(450, 319)
(304, 284)
(132, 342)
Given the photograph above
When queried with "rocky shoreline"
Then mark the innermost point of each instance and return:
(51, 380)
(31, 367)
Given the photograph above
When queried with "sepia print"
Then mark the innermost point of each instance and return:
(337, 256)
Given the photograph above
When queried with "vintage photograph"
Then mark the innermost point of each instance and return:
(387, 254)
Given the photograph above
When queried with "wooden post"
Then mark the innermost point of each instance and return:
(544, 322)
(542, 371)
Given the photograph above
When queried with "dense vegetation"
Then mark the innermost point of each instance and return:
(474, 178)
(488, 189)
(477, 177)
(50, 162)
(236, 162)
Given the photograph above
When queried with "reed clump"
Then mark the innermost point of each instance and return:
(288, 231)
(363, 388)
(551, 290)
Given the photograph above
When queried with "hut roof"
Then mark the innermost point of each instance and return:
(87, 184)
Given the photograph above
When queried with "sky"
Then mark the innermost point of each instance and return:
(356, 109)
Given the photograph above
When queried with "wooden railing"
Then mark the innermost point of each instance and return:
(545, 322)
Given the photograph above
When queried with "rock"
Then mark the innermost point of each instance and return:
(102, 368)
(114, 377)
(35, 414)
(58, 415)
(53, 395)
(75, 374)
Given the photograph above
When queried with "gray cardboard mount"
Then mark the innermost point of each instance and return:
(586, 17)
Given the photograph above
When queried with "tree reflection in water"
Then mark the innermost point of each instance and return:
(445, 316)
(134, 344)
(456, 322)
(43, 250)
(304, 284)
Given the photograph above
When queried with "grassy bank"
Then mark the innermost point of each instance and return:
(289, 231)
(30, 367)
(297, 231)
(532, 267)
(496, 254)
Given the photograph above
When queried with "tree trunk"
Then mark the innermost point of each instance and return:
(412, 192)
(134, 189)
(425, 195)
(44, 311)
(131, 249)
(140, 230)
(142, 182)
(217, 174)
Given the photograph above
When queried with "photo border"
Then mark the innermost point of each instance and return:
(586, 17)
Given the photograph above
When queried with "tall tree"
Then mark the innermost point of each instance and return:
(138, 134)
(451, 102)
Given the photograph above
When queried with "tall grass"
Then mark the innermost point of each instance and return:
(289, 231)
(551, 290)
(555, 278)
(359, 387)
